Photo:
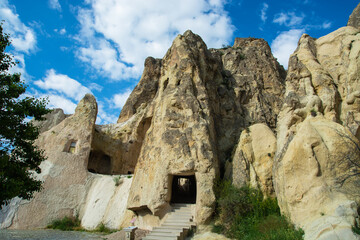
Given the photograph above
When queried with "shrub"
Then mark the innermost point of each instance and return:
(243, 213)
(117, 180)
(102, 228)
(65, 224)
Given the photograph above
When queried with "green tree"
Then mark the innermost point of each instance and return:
(18, 154)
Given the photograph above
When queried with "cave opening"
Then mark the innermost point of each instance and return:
(99, 162)
(183, 189)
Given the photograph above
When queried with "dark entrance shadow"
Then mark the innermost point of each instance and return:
(183, 189)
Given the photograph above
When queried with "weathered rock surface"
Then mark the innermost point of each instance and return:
(316, 168)
(180, 138)
(354, 19)
(195, 103)
(64, 172)
(318, 176)
(251, 91)
(253, 159)
(106, 202)
(193, 112)
(51, 119)
(69, 188)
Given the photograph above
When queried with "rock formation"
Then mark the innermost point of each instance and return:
(252, 161)
(180, 124)
(64, 172)
(316, 169)
(354, 19)
(197, 101)
(199, 113)
(69, 189)
(51, 119)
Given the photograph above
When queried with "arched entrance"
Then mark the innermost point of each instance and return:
(183, 189)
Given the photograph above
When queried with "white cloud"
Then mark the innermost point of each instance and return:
(119, 100)
(104, 58)
(57, 101)
(54, 4)
(117, 36)
(285, 44)
(63, 85)
(23, 38)
(103, 116)
(288, 19)
(263, 12)
(96, 87)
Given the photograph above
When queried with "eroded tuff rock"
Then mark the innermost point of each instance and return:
(69, 188)
(181, 138)
(65, 175)
(354, 19)
(51, 119)
(316, 168)
(251, 91)
(195, 102)
(316, 182)
(253, 159)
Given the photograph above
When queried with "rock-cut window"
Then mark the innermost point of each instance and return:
(72, 147)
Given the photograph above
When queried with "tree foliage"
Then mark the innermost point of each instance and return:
(18, 154)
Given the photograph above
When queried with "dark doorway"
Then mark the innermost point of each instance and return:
(183, 189)
(99, 162)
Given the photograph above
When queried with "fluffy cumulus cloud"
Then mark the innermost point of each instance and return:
(58, 101)
(63, 85)
(285, 44)
(23, 37)
(117, 35)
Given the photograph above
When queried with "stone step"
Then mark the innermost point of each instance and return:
(183, 225)
(163, 229)
(181, 211)
(169, 228)
(179, 216)
(170, 234)
(176, 226)
(159, 238)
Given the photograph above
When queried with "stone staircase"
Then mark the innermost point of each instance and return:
(176, 225)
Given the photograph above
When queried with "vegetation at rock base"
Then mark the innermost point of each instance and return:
(66, 224)
(18, 154)
(244, 213)
(74, 224)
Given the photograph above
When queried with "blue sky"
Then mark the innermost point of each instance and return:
(68, 48)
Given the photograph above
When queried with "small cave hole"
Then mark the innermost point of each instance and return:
(166, 83)
(70, 146)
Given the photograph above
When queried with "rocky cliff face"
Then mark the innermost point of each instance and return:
(316, 169)
(354, 19)
(67, 147)
(196, 103)
(200, 113)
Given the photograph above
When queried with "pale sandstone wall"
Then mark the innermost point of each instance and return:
(316, 168)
